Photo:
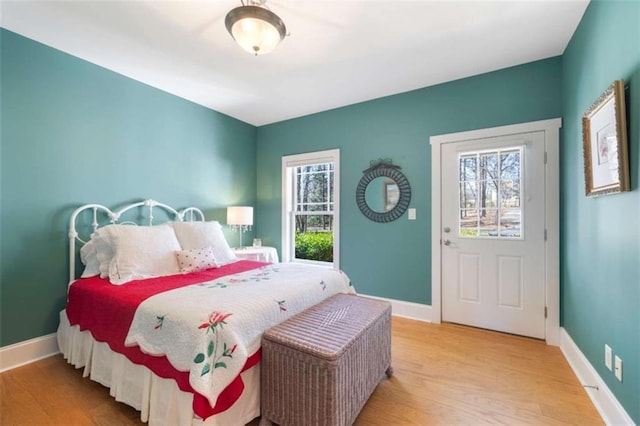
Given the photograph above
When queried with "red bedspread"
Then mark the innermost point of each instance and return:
(107, 310)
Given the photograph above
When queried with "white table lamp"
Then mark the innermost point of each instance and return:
(240, 218)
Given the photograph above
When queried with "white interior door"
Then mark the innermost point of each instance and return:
(493, 233)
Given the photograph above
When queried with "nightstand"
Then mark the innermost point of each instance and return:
(261, 254)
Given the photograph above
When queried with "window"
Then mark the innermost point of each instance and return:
(310, 201)
(490, 194)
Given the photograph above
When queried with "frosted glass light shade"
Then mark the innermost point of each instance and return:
(240, 215)
(256, 29)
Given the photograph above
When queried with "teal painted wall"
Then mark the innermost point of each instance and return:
(600, 237)
(75, 133)
(393, 260)
(72, 132)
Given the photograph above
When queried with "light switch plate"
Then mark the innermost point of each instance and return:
(412, 214)
(608, 357)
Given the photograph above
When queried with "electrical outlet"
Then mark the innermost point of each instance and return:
(608, 357)
(618, 369)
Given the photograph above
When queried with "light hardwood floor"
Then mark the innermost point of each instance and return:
(444, 375)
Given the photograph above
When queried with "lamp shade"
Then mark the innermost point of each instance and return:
(238, 215)
(256, 29)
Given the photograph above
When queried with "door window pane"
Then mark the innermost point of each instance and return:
(468, 195)
(510, 223)
(468, 222)
(490, 193)
(468, 167)
(488, 223)
(510, 165)
(488, 165)
(510, 193)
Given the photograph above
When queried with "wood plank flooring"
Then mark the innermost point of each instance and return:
(444, 375)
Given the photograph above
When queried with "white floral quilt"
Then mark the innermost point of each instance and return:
(211, 328)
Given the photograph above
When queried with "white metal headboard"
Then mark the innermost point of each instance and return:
(188, 214)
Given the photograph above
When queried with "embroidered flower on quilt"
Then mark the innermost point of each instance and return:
(282, 306)
(213, 360)
(261, 274)
(215, 319)
(160, 322)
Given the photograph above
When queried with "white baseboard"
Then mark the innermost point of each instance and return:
(605, 402)
(411, 310)
(29, 351)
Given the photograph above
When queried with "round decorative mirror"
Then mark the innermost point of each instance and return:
(383, 193)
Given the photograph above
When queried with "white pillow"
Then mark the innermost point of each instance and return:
(96, 254)
(104, 253)
(142, 252)
(196, 260)
(89, 257)
(195, 235)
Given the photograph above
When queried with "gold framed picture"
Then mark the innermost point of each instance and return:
(604, 134)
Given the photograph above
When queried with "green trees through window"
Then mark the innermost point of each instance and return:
(313, 212)
(490, 194)
(314, 246)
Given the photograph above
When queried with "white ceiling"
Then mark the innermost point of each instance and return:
(339, 52)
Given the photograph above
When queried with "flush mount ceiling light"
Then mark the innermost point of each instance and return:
(255, 28)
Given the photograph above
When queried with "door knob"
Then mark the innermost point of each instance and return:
(447, 242)
(447, 229)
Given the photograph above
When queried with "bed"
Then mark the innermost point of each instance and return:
(167, 317)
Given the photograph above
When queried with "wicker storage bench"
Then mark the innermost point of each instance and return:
(320, 366)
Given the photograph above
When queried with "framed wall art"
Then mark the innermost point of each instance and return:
(604, 133)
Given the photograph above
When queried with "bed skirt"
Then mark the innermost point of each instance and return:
(159, 400)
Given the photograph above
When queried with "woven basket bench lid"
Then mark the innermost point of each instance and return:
(327, 329)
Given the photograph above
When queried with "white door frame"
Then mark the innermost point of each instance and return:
(551, 129)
